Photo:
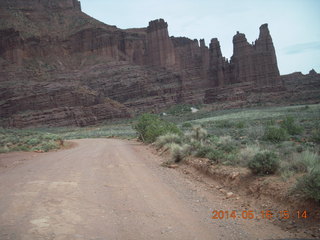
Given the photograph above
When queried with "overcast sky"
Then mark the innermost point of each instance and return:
(294, 24)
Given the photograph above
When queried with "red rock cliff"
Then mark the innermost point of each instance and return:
(255, 62)
(160, 50)
(58, 63)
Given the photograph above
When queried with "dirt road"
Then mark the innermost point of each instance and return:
(111, 189)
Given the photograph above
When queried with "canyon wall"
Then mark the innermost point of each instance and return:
(61, 67)
(38, 5)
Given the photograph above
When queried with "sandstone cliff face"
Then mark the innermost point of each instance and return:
(257, 62)
(62, 67)
(36, 5)
(160, 50)
(296, 88)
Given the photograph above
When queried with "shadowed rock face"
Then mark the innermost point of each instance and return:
(62, 67)
(36, 5)
(160, 51)
(256, 62)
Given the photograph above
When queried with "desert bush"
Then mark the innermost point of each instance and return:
(50, 145)
(225, 139)
(187, 125)
(199, 133)
(315, 137)
(194, 144)
(202, 151)
(310, 160)
(216, 155)
(291, 165)
(309, 184)
(286, 148)
(290, 126)
(223, 124)
(255, 132)
(275, 134)
(247, 153)
(179, 109)
(227, 148)
(179, 152)
(150, 126)
(299, 149)
(231, 159)
(303, 162)
(264, 163)
(33, 141)
(270, 122)
(212, 139)
(4, 149)
(240, 124)
(50, 136)
(168, 138)
(18, 148)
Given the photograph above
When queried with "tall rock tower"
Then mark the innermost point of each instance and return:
(160, 49)
(255, 62)
(266, 60)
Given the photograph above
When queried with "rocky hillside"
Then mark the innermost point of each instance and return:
(61, 67)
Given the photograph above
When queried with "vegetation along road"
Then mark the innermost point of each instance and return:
(112, 189)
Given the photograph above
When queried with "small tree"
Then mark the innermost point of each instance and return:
(150, 126)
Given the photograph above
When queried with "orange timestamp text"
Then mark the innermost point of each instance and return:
(267, 214)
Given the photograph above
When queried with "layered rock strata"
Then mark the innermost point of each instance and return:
(62, 67)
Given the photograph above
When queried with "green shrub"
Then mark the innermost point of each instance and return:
(264, 163)
(246, 154)
(13, 139)
(4, 149)
(168, 138)
(275, 135)
(213, 139)
(179, 109)
(33, 141)
(301, 162)
(286, 148)
(255, 132)
(240, 124)
(194, 144)
(202, 151)
(316, 136)
(187, 125)
(291, 165)
(150, 126)
(309, 184)
(270, 122)
(223, 124)
(231, 159)
(310, 160)
(225, 140)
(299, 149)
(19, 148)
(290, 126)
(50, 136)
(48, 146)
(216, 155)
(227, 148)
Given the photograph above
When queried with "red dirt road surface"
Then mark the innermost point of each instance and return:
(105, 189)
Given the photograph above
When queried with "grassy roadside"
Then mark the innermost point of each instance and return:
(46, 139)
(278, 141)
